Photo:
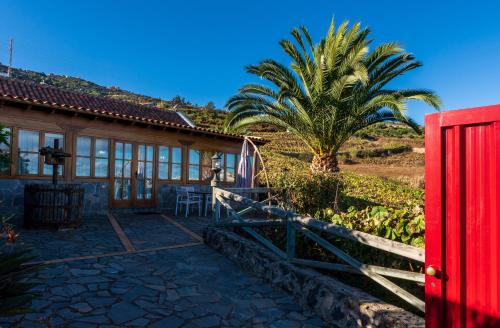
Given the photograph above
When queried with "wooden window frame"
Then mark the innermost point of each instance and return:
(200, 166)
(93, 157)
(170, 162)
(41, 141)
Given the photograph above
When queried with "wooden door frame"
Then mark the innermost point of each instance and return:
(133, 202)
(434, 207)
(135, 161)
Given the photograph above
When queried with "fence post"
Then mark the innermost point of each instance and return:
(290, 238)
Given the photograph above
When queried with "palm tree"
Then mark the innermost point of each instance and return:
(330, 91)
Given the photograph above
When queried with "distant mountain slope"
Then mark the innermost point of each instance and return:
(203, 117)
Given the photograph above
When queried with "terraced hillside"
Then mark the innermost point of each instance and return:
(387, 150)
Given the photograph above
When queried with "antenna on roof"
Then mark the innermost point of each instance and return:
(11, 46)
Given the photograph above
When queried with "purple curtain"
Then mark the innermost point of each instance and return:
(244, 175)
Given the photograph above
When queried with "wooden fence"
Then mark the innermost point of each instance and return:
(294, 222)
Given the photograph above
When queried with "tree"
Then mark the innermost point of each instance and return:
(210, 105)
(330, 91)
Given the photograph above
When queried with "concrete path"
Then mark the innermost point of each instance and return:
(183, 284)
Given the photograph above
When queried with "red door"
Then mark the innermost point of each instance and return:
(462, 218)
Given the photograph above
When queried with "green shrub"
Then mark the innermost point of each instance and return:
(15, 295)
(308, 194)
(396, 224)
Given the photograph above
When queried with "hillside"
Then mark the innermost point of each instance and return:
(203, 117)
(386, 150)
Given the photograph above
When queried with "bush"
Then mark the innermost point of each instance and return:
(15, 295)
(396, 224)
(308, 194)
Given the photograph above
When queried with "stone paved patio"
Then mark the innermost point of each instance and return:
(95, 236)
(191, 286)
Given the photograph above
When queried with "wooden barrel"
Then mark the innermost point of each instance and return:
(53, 206)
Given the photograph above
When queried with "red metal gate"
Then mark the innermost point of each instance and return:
(462, 218)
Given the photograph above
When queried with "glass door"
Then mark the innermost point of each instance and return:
(122, 186)
(144, 194)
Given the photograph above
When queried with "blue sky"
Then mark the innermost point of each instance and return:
(198, 49)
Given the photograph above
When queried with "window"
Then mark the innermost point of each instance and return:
(92, 156)
(49, 142)
(194, 165)
(200, 165)
(29, 142)
(5, 152)
(169, 163)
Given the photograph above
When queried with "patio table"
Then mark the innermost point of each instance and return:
(204, 195)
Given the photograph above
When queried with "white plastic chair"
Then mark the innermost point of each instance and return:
(186, 197)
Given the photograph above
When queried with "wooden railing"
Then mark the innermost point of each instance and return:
(294, 222)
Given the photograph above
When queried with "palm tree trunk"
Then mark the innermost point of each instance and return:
(325, 163)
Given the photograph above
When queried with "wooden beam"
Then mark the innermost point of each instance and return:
(411, 299)
(383, 271)
(394, 247)
(387, 245)
(266, 242)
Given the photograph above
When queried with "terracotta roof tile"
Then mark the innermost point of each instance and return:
(18, 89)
(31, 92)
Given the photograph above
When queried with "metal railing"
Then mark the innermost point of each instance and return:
(294, 222)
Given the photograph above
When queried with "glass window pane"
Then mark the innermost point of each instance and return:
(149, 189)
(230, 160)
(194, 156)
(176, 155)
(140, 170)
(230, 175)
(194, 172)
(176, 171)
(119, 150)
(163, 154)
(149, 153)
(127, 166)
(163, 171)
(102, 148)
(82, 166)
(206, 158)
(128, 151)
(83, 146)
(28, 163)
(118, 168)
(5, 153)
(101, 167)
(149, 170)
(206, 173)
(28, 141)
(142, 153)
(118, 189)
(50, 137)
(126, 189)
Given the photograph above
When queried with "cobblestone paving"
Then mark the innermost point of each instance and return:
(186, 287)
(95, 236)
(151, 230)
(195, 224)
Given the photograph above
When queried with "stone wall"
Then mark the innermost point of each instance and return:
(96, 199)
(12, 196)
(338, 304)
